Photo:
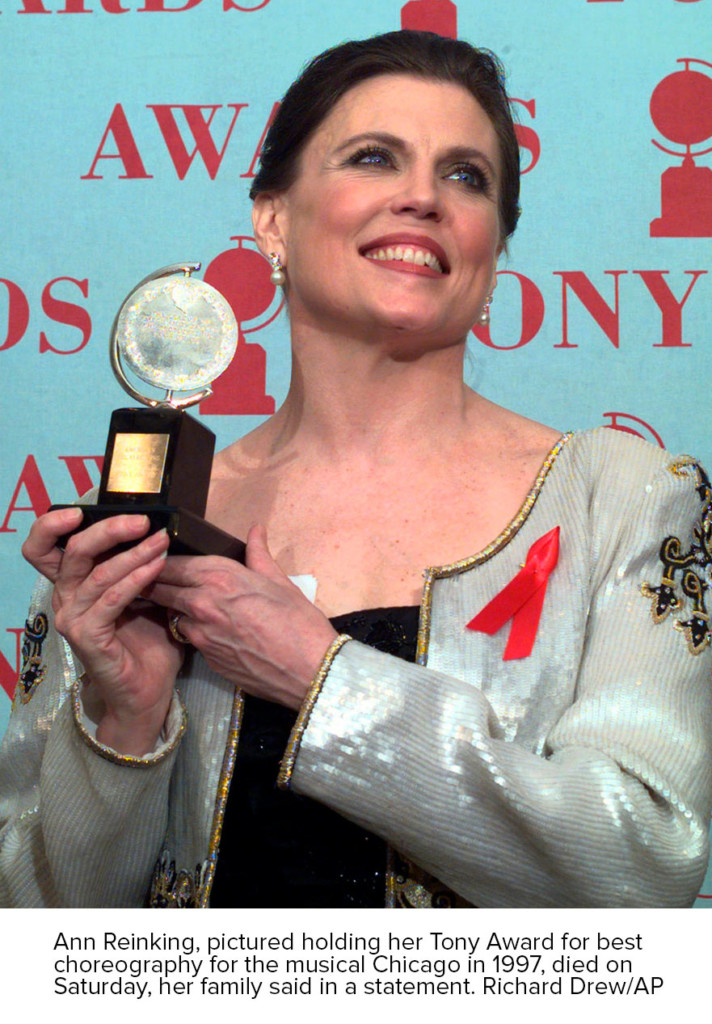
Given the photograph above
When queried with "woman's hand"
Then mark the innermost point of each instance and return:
(122, 642)
(250, 622)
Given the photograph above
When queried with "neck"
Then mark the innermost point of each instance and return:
(370, 397)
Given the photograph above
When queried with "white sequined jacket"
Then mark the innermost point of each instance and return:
(578, 776)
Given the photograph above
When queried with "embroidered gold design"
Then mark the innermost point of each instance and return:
(33, 669)
(173, 888)
(693, 565)
(410, 887)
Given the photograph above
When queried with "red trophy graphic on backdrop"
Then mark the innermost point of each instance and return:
(242, 275)
(430, 16)
(681, 108)
(177, 334)
(629, 424)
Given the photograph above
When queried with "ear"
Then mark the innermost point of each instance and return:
(270, 222)
(493, 284)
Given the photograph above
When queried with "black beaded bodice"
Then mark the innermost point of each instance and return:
(279, 849)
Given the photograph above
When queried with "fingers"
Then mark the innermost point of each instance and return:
(177, 599)
(258, 557)
(188, 570)
(192, 585)
(124, 649)
(83, 549)
(87, 615)
(40, 549)
(116, 581)
(89, 598)
(174, 621)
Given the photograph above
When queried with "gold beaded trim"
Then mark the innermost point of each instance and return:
(508, 533)
(407, 885)
(228, 766)
(179, 887)
(402, 888)
(129, 760)
(290, 754)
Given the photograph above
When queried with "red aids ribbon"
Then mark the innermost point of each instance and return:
(522, 599)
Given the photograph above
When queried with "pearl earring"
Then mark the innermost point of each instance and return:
(277, 277)
(484, 317)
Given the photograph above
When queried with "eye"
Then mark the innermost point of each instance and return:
(373, 156)
(471, 176)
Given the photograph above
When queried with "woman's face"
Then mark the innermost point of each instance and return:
(392, 223)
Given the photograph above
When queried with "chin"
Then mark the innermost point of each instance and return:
(406, 320)
(412, 338)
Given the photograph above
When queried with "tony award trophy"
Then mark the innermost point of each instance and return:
(176, 333)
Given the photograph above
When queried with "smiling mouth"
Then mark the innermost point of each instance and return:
(406, 254)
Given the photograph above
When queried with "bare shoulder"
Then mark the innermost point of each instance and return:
(514, 441)
(528, 436)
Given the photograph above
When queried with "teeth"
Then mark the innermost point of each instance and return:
(421, 257)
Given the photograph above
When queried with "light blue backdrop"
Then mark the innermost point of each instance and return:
(589, 319)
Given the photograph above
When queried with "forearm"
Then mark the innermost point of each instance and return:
(76, 828)
(413, 755)
(103, 832)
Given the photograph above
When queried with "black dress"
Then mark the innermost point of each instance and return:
(279, 849)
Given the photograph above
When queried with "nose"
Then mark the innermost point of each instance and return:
(419, 195)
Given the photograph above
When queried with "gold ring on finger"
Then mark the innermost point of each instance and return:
(175, 631)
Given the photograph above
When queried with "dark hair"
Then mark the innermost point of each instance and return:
(312, 97)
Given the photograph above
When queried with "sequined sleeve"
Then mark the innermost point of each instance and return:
(76, 829)
(581, 776)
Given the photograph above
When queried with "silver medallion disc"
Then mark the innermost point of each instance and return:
(177, 333)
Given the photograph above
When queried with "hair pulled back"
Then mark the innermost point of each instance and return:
(328, 77)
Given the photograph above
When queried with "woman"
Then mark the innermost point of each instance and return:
(550, 750)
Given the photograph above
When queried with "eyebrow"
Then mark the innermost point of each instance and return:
(394, 142)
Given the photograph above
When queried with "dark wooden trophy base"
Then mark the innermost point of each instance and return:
(158, 464)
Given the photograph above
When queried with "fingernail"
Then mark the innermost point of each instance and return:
(73, 514)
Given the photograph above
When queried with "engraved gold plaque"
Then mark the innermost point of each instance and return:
(178, 333)
(138, 463)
